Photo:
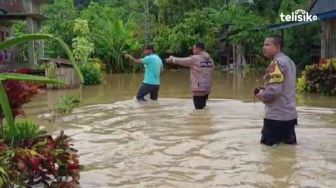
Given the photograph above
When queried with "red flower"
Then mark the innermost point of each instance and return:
(21, 166)
(323, 61)
(3, 146)
(74, 166)
(24, 71)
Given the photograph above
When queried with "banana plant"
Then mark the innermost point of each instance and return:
(120, 38)
(4, 102)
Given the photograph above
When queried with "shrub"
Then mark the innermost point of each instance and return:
(4, 179)
(43, 160)
(319, 78)
(92, 74)
(19, 93)
(24, 132)
(67, 103)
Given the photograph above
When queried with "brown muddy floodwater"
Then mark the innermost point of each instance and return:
(169, 144)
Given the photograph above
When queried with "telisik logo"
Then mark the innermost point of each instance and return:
(299, 15)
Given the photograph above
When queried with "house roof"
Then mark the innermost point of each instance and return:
(43, 1)
(21, 16)
(58, 62)
(16, 11)
(285, 25)
(322, 6)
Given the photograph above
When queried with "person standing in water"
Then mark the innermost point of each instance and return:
(278, 95)
(201, 68)
(153, 68)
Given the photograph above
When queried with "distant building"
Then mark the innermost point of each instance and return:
(24, 10)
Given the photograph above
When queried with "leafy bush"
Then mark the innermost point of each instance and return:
(98, 64)
(92, 73)
(4, 178)
(319, 78)
(24, 132)
(40, 159)
(113, 33)
(67, 103)
(61, 18)
(81, 44)
(18, 94)
(47, 160)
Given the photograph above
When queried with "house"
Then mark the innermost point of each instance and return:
(325, 10)
(21, 10)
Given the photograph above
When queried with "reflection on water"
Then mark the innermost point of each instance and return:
(169, 144)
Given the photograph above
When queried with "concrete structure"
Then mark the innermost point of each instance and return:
(24, 10)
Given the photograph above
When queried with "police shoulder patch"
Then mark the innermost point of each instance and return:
(275, 74)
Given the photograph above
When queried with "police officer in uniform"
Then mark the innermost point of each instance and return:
(278, 95)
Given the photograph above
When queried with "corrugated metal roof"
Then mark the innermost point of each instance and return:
(22, 16)
(285, 25)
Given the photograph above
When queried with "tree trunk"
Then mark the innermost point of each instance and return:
(239, 59)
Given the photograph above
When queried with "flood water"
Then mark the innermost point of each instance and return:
(169, 144)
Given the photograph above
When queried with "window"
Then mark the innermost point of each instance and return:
(2, 36)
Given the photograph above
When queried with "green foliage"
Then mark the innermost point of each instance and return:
(289, 6)
(98, 63)
(173, 12)
(20, 28)
(4, 102)
(41, 159)
(298, 43)
(118, 26)
(81, 44)
(30, 78)
(44, 160)
(269, 10)
(4, 178)
(92, 73)
(319, 78)
(61, 18)
(67, 104)
(234, 24)
(244, 26)
(23, 132)
(113, 35)
(196, 26)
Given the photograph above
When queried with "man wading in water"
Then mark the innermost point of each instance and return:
(278, 95)
(201, 67)
(153, 68)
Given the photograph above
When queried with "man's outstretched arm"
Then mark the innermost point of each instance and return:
(133, 59)
(185, 61)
